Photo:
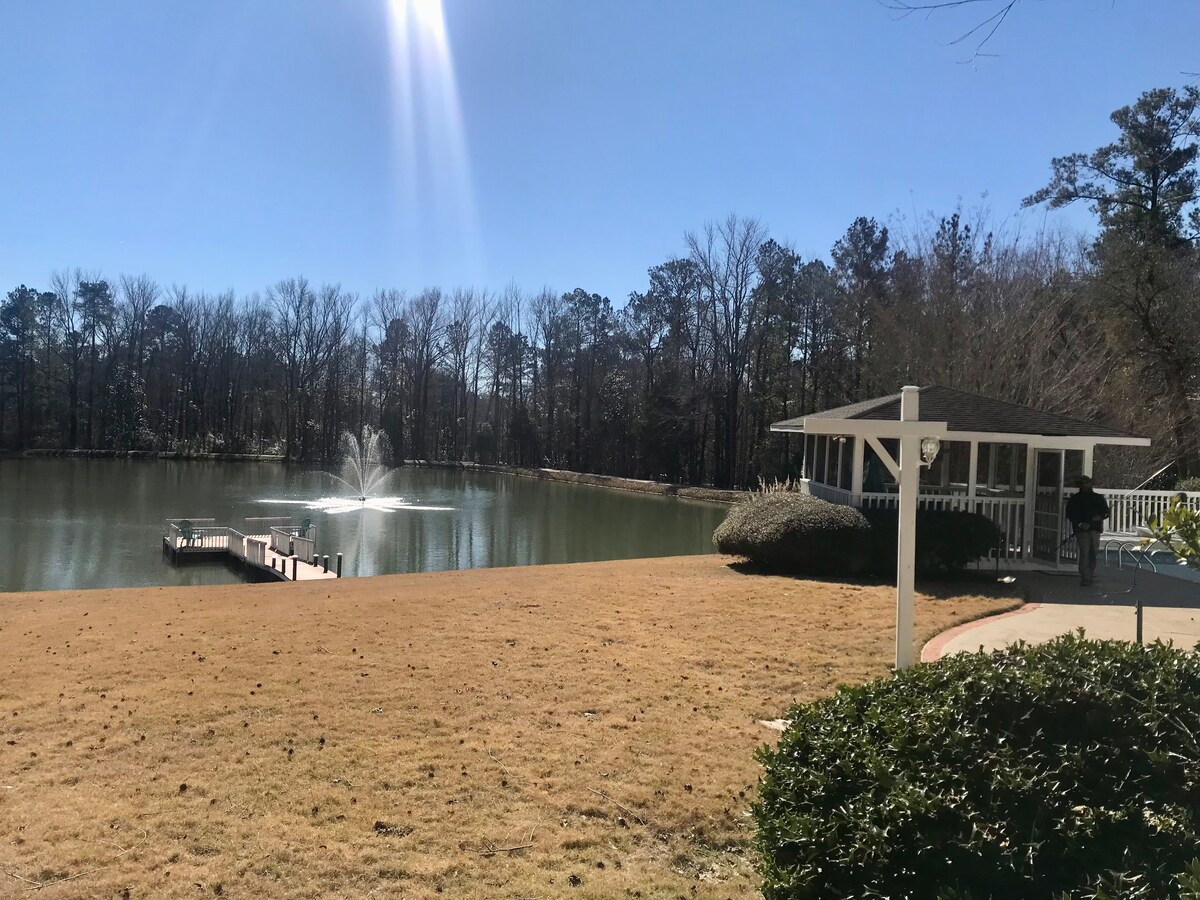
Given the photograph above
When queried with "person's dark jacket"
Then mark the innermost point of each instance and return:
(1087, 508)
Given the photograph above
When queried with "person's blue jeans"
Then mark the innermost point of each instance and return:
(1089, 546)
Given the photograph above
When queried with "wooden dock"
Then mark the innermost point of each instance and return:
(283, 552)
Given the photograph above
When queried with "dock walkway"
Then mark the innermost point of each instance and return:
(284, 552)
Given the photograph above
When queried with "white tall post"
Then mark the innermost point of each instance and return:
(1088, 455)
(856, 472)
(973, 476)
(906, 544)
(1030, 498)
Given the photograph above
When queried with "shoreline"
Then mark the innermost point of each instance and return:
(181, 455)
(564, 476)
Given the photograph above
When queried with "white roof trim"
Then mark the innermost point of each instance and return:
(891, 428)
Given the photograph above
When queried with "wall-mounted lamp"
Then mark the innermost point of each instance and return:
(929, 449)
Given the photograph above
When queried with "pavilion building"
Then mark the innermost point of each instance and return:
(1014, 464)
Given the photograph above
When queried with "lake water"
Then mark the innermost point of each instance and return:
(72, 523)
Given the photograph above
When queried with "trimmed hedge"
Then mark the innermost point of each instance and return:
(796, 532)
(947, 540)
(805, 535)
(1070, 769)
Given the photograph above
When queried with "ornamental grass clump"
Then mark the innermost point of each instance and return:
(1069, 769)
(796, 533)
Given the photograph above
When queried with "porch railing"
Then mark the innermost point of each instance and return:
(1007, 512)
(829, 492)
(1130, 511)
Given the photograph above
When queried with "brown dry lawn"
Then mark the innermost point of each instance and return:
(581, 730)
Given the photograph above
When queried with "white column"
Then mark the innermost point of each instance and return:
(1030, 498)
(1088, 453)
(972, 476)
(856, 471)
(906, 544)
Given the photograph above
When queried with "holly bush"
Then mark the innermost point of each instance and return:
(1069, 769)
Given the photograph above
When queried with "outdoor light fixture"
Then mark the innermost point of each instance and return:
(929, 449)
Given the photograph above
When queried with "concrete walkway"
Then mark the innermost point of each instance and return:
(1057, 604)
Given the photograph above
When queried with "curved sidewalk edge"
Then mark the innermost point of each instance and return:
(933, 650)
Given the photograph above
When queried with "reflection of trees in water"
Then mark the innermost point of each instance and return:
(70, 524)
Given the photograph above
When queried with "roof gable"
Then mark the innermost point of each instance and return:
(962, 411)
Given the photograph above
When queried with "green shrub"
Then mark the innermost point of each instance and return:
(947, 540)
(805, 535)
(795, 533)
(1070, 769)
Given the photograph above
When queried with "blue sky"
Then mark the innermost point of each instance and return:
(231, 143)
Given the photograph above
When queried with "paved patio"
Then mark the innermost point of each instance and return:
(1057, 604)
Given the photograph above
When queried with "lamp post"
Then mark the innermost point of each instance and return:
(920, 443)
(915, 451)
(906, 527)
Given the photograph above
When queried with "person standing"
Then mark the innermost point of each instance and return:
(1086, 512)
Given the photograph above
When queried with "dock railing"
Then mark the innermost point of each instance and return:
(304, 547)
(286, 552)
(186, 534)
(173, 531)
(237, 543)
(281, 541)
(256, 551)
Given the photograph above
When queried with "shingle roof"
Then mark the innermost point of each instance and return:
(967, 412)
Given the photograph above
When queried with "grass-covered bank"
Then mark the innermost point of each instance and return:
(503, 732)
(638, 485)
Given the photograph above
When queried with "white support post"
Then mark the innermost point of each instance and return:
(856, 472)
(972, 476)
(1088, 453)
(841, 445)
(828, 450)
(1030, 498)
(906, 544)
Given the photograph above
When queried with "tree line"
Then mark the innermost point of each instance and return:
(682, 381)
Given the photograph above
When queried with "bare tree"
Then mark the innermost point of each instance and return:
(724, 255)
(981, 32)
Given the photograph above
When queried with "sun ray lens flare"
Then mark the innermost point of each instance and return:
(436, 199)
